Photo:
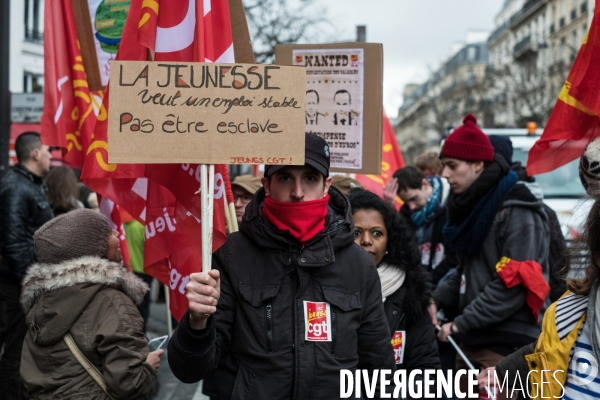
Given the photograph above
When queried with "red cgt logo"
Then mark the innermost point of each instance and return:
(317, 319)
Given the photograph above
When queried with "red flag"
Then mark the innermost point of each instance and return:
(70, 108)
(391, 160)
(528, 274)
(164, 196)
(574, 119)
(111, 211)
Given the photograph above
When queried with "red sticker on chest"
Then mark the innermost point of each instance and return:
(398, 341)
(317, 319)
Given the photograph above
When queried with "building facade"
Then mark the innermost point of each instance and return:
(517, 79)
(430, 109)
(26, 68)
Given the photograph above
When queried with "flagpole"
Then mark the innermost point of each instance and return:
(210, 206)
(204, 215)
(227, 216)
(234, 222)
(168, 303)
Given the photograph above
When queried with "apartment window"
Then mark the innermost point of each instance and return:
(33, 83)
(470, 77)
(563, 49)
(33, 21)
(471, 53)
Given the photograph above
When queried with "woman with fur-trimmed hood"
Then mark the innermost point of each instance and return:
(405, 286)
(79, 287)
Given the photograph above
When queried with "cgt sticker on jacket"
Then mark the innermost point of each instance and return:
(317, 318)
(398, 344)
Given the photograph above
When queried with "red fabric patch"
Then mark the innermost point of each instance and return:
(528, 274)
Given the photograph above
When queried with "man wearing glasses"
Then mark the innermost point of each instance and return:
(243, 187)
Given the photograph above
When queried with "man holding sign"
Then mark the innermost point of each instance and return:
(291, 300)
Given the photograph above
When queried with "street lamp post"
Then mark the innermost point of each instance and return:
(4, 88)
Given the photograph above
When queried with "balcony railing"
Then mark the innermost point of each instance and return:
(498, 31)
(524, 10)
(34, 36)
(522, 47)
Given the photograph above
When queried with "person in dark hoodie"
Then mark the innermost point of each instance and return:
(405, 286)
(499, 231)
(291, 300)
(80, 304)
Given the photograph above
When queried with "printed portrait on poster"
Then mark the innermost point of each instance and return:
(335, 101)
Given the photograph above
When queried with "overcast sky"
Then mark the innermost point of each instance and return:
(416, 34)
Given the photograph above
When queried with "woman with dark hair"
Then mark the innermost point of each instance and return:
(63, 191)
(405, 286)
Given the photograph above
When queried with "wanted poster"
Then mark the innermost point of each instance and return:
(334, 101)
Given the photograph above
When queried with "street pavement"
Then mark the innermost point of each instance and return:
(169, 387)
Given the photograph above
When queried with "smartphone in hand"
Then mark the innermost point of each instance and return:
(157, 343)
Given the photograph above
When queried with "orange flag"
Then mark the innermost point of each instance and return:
(391, 160)
(574, 121)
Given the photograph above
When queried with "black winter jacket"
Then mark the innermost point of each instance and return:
(254, 347)
(406, 310)
(23, 209)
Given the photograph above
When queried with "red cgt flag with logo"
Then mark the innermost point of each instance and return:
(164, 197)
(70, 108)
(574, 121)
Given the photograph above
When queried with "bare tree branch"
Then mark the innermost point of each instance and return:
(274, 22)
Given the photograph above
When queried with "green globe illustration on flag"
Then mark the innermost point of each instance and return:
(109, 23)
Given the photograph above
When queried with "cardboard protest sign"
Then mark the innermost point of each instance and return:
(163, 112)
(344, 106)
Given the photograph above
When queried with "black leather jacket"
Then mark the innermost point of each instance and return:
(23, 209)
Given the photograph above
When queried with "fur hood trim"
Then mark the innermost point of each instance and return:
(89, 269)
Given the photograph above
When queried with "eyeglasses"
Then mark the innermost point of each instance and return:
(246, 198)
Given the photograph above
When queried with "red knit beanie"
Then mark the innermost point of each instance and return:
(468, 142)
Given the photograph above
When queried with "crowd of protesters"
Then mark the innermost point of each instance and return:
(323, 275)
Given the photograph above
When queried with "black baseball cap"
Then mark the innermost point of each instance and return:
(316, 154)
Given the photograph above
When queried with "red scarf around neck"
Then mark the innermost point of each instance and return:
(303, 219)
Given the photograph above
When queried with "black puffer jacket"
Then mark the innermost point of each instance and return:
(23, 209)
(254, 347)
